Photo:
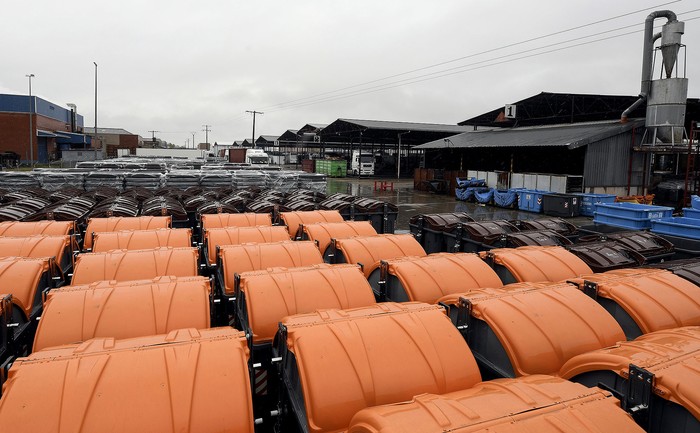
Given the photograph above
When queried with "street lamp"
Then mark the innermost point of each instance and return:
(102, 145)
(31, 128)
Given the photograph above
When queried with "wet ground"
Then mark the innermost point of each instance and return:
(411, 202)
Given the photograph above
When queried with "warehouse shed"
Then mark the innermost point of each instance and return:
(384, 138)
(599, 151)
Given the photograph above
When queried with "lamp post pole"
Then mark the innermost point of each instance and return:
(102, 146)
(31, 127)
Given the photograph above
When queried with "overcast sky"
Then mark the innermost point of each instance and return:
(176, 65)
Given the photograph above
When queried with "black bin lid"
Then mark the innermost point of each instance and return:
(480, 230)
(554, 224)
(607, 255)
(536, 238)
(442, 221)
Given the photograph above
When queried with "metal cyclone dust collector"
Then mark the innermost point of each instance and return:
(665, 97)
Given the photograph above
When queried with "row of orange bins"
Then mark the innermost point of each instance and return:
(342, 329)
(640, 199)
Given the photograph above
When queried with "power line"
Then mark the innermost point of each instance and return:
(470, 67)
(474, 54)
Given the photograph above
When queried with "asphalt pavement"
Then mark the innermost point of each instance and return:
(411, 202)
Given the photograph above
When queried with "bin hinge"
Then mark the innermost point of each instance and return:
(640, 387)
(333, 251)
(383, 276)
(464, 315)
(459, 231)
(421, 225)
(590, 289)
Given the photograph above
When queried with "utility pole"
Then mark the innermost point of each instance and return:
(31, 128)
(153, 137)
(187, 143)
(253, 112)
(206, 133)
(193, 145)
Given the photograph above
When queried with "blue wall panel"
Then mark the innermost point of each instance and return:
(20, 104)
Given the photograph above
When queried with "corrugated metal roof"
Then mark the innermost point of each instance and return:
(311, 127)
(269, 138)
(548, 108)
(569, 135)
(407, 126)
(106, 131)
(289, 135)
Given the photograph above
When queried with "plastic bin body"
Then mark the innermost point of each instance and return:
(170, 382)
(236, 259)
(589, 200)
(534, 403)
(520, 332)
(381, 214)
(427, 279)
(677, 226)
(483, 235)
(294, 219)
(687, 268)
(96, 225)
(561, 205)
(689, 212)
(322, 233)
(366, 355)
(668, 355)
(644, 300)
(264, 298)
(683, 248)
(214, 238)
(484, 196)
(629, 215)
(431, 229)
(505, 198)
(78, 313)
(535, 264)
(141, 239)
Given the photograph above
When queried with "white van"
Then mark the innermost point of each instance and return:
(362, 163)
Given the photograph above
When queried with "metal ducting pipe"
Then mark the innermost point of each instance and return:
(647, 55)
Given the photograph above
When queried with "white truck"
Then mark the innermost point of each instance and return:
(256, 156)
(362, 163)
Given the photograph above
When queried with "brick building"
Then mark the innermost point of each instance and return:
(115, 138)
(53, 128)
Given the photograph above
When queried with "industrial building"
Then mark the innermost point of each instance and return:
(115, 139)
(51, 127)
(381, 138)
(610, 144)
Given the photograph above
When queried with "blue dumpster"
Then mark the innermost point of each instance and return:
(530, 200)
(589, 200)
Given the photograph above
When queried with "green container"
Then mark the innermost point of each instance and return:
(332, 167)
